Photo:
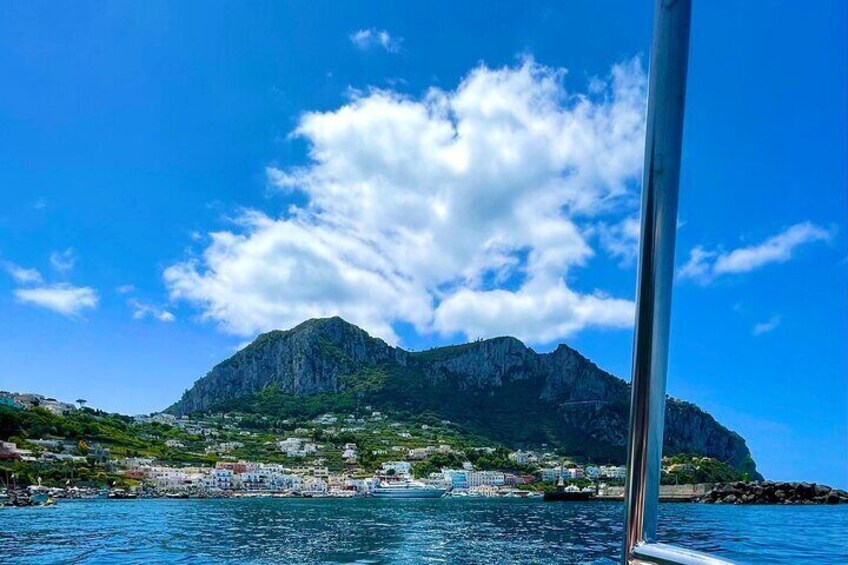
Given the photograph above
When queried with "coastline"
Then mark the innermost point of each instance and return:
(762, 493)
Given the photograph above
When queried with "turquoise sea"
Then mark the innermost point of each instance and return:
(490, 531)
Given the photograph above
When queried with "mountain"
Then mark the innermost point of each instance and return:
(497, 388)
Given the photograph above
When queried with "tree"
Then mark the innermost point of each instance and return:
(82, 447)
(82, 402)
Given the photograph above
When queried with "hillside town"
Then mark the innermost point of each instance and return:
(226, 455)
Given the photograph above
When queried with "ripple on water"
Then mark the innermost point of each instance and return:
(457, 531)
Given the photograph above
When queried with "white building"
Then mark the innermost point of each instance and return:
(419, 453)
(457, 479)
(166, 477)
(326, 420)
(485, 478)
(134, 463)
(223, 479)
(36, 400)
(297, 447)
(399, 467)
(50, 456)
(224, 447)
(551, 474)
(349, 452)
(613, 472)
(315, 484)
(290, 444)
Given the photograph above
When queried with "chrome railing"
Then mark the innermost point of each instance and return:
(663, 142)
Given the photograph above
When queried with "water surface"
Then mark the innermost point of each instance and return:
(454, 531)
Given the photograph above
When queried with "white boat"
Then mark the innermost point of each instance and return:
(407, 489)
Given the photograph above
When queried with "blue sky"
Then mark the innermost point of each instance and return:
(178, 177)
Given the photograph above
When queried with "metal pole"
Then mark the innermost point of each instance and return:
(663, 142)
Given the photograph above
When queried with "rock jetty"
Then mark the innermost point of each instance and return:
(771, 492)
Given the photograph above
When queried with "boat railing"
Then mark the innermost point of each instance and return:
(663, 144)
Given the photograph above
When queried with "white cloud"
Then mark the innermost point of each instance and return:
(23, 275)
(367, 38)
(276, 273)
(621, 240)
(142, 311)
(766, 327)
(437, 212)
(63, 298)
(539, 315)
(63, 261)
(699, 266)
(125, 289)
(704, 266)
(776, 249)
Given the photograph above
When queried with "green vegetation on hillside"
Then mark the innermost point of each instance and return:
(691, 469)
(91, 440)
(514, 417)
(122, 436)
(279, 405)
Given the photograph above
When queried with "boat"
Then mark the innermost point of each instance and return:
(32, 496)
(407, 489)
(569, 493)
(39, 498)
(121, 494)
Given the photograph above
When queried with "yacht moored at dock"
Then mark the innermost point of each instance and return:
(407, 489)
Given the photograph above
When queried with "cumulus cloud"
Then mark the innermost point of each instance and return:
(766, 327)
(367, 38)
(63, 261)
(23, 275)
(142, 311)
(461, 211)
(540, 315)
(704, 266)
(63, 298)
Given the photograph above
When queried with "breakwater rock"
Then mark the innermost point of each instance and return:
(772, 492)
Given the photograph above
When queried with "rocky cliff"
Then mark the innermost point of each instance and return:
(497, 388)
(307, 359)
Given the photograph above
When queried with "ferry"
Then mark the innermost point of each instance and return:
(407, 489)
